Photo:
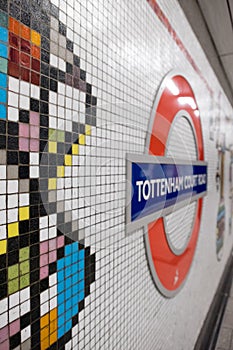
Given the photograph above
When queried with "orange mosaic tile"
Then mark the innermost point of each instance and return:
(35, 51)
(14, 26)
(48, 326)
(25, 32)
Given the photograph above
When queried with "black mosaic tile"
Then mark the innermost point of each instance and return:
(23, 116)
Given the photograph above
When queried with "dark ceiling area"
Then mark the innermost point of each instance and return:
(212, 22)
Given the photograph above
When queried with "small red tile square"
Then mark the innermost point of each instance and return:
(25, 60)
(35, 65)
(25, 46)
(14, 55)
(13, 69)
(35, 78)
(14, 40)
(25, 74)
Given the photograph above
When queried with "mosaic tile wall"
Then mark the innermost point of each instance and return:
(45, 274)
(77, 82)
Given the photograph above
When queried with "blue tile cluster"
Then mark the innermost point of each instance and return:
(3, 64)
(71, 285)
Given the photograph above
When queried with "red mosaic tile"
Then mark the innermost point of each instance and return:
(25, 46)
(14, 55)
(25, 60)
(13, 69)
(14, 40)
(35, 65)
(35, 78)
(25, 74)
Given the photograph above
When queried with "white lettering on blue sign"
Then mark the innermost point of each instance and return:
(158, 184)
(160, 187)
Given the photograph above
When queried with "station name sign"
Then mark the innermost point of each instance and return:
(157, 185)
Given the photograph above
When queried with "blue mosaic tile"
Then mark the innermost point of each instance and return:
(2, 111)
(3, 34)
(71, 285)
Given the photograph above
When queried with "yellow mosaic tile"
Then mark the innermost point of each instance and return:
(52, 147)
(3, 246)
(23, 213)
(68, 159)
(88, 129)
(13, 229)
(52, 184)
(60, 171)
(82, 139)
(75, 149)
(35, 37)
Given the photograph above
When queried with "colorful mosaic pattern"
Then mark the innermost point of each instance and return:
(45, 268)
(3, 63)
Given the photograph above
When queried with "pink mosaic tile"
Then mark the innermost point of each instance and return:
(44, 247)
(5, 345)
(3, 334)
(23, 144)
(34, 118)
(52, 256)
(14, 327)
(60, 241)
(44, 260)
(44, 272)
(34, 132)
(24, 130)
(34, 145)
(52, 244)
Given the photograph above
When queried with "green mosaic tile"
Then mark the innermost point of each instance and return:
(52, 135)
(24, 281)
(24, 254)
(24, 268)
(3, 65)
(3, 19)
(13, 272)
(13, 286)
(61, 136)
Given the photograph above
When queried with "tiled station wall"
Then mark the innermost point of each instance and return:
(77, 83)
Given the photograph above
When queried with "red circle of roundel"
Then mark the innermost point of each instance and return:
(169, 270)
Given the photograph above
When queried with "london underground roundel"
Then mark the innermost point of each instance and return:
(167, 184)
